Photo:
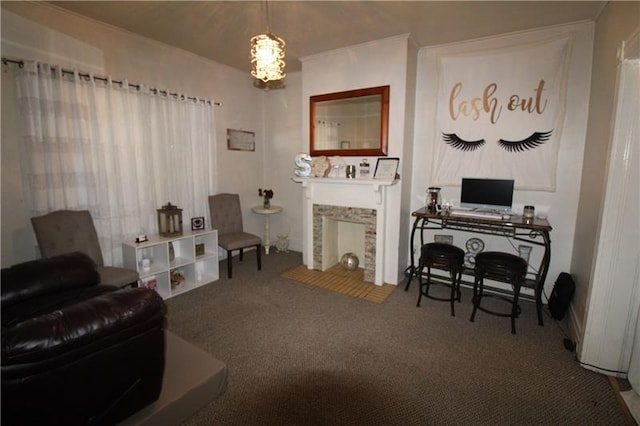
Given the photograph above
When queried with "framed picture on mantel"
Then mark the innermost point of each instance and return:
(386, 168)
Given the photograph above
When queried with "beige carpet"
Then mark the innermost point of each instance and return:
(301, 355)
(341, 281)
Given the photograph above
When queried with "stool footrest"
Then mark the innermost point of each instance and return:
(441, 299)
(496, 313)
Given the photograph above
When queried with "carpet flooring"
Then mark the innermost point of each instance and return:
(302, 355)
(336, 278)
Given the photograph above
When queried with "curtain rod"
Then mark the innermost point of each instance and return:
(20, 64)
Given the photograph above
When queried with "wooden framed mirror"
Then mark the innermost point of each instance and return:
(351, 123)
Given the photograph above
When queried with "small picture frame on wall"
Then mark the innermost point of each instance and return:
(241, 140)
(197, 223)
(386, 168)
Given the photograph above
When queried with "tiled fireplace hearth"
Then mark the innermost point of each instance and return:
(360, 201)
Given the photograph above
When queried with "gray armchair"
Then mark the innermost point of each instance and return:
(66, 231)
(226, 218)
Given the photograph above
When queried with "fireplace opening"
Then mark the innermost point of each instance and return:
(340, 237)
(348, 229)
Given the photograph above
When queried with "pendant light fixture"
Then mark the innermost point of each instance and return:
(267, 57)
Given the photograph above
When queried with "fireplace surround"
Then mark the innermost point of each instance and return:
(353, 200)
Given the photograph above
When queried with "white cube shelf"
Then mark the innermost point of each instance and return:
(197, 270)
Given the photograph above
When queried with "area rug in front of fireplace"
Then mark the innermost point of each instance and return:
(336, 278)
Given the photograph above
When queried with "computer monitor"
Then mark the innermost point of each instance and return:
(487, 194)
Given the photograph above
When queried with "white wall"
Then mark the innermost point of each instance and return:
(377, 63)
(75, 42)
(406, 221)
(561, 205)
(284, 140)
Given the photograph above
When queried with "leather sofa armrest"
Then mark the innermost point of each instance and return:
(84, 326)
(45, 276)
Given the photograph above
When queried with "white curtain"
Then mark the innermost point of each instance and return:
(117, 151)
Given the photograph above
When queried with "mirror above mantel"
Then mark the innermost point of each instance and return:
(351, 123)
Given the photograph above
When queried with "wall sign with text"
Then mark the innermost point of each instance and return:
(241, 140)
(500, 114)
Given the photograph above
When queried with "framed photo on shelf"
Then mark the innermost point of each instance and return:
(446, 239)
(197, 223)
(149, 282)
(386, 168)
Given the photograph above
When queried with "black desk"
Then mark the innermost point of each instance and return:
(534, 232)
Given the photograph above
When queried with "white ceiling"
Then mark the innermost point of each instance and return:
(221, 30)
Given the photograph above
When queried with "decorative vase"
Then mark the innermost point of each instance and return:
(266, 204)
(349, 261)
(282, 243)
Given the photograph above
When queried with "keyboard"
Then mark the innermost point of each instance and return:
(476, 214)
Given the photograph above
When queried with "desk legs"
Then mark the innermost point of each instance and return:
(544, 268)
(412, 268)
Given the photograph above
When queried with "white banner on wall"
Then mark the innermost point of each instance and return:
(500, 114)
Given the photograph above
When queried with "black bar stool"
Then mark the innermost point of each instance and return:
(502, 267)
(441, 256)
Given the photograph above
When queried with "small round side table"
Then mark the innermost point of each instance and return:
(266, 213)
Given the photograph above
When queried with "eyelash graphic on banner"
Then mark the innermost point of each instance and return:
(533, 141)
(456, 142)
(536, 139)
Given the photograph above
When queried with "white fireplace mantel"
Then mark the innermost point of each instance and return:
(341, 184)
(357, 181)
(343, 192)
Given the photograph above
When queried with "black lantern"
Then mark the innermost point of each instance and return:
(169, 220)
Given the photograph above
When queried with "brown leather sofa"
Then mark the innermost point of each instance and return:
(74, 351)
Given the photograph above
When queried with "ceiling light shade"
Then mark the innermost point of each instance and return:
(267, 57)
